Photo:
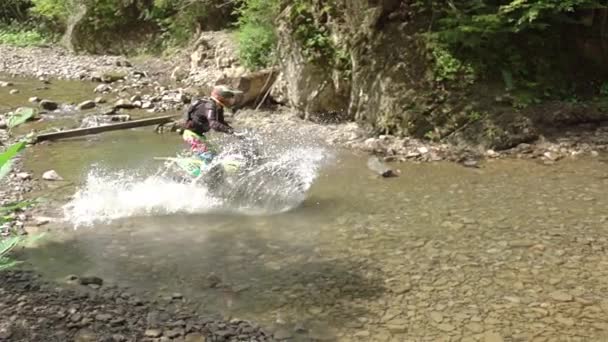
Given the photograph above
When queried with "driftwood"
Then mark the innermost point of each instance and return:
(71, 133)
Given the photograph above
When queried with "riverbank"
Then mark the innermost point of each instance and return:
(87, 310)
(151, 81)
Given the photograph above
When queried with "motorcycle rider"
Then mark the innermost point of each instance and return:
(206, 114)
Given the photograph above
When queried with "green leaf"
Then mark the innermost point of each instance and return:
(6, 156)
(20, 116)
(6, 263)
(8, 244)
(6, 168)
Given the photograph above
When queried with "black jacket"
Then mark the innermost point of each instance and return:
(205, 114)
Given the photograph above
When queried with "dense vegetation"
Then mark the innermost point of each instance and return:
(532, 48)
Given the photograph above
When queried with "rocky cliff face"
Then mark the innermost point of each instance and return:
(312, 88)
(386, 67)
(390, 85)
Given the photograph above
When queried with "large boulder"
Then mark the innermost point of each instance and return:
(312, 87)
(254, 85)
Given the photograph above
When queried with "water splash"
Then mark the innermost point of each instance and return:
(278, 184)
(107, 196)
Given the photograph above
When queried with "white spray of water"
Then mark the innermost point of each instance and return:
(107, 196)
(276, 186)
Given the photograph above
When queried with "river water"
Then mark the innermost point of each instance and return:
(512, 251)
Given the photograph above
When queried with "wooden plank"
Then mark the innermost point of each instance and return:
(77, 132)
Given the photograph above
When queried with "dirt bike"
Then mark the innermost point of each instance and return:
(239, 170)
(224, 169)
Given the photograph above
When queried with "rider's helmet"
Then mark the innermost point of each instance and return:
(226, 96)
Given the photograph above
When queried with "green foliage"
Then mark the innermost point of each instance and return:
(166, 23)
(9, 243)
(256, 34)
(20, 116)
(449, 68)
(57, 10)
(7, 156)
(14, 11)
(21, 37)
(6, 246)
(515, 40)
(256, 45)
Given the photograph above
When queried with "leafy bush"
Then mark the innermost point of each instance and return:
(256, 34)
(8, 243)
(485, 37)
(21, 37)
(14, 11)
(55, 10)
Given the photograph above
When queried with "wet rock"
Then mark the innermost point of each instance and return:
(41, 220)
(5, 84)
(492, 337)
(100, 100)
(111, 77)
(76, 317)
(103, 88)
(212, 280)
(6, 333)
(124, 104)
(321, 333)
(176, 295)
(48, 105)
(521, 244)
(173, 333)
(436, 316)
(90, 280)
(282, 334)
(71, 279)
(364, 334)
(401, 288)
(109, 111)
(601, 326)
(423, 150)
(377, 166)
(85, 335)
(147, 105)
(446, 327)
(300, 327)
(24, 175)
(397, 327)
(34, 99)
(14, 91)
(2, 124)
(117, 321)
(103, 317)
(474, 327)
(86, 105)
(153, 333)
(565, 321)
(195, 337)
(552, 156)
(561, 296)
(470, 163)
(119, 338)
(120, 118)
(51, 175)
(492, 154)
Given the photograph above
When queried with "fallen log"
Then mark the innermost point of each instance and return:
(77, 132)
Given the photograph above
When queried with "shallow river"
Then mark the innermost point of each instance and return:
(513, 251)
